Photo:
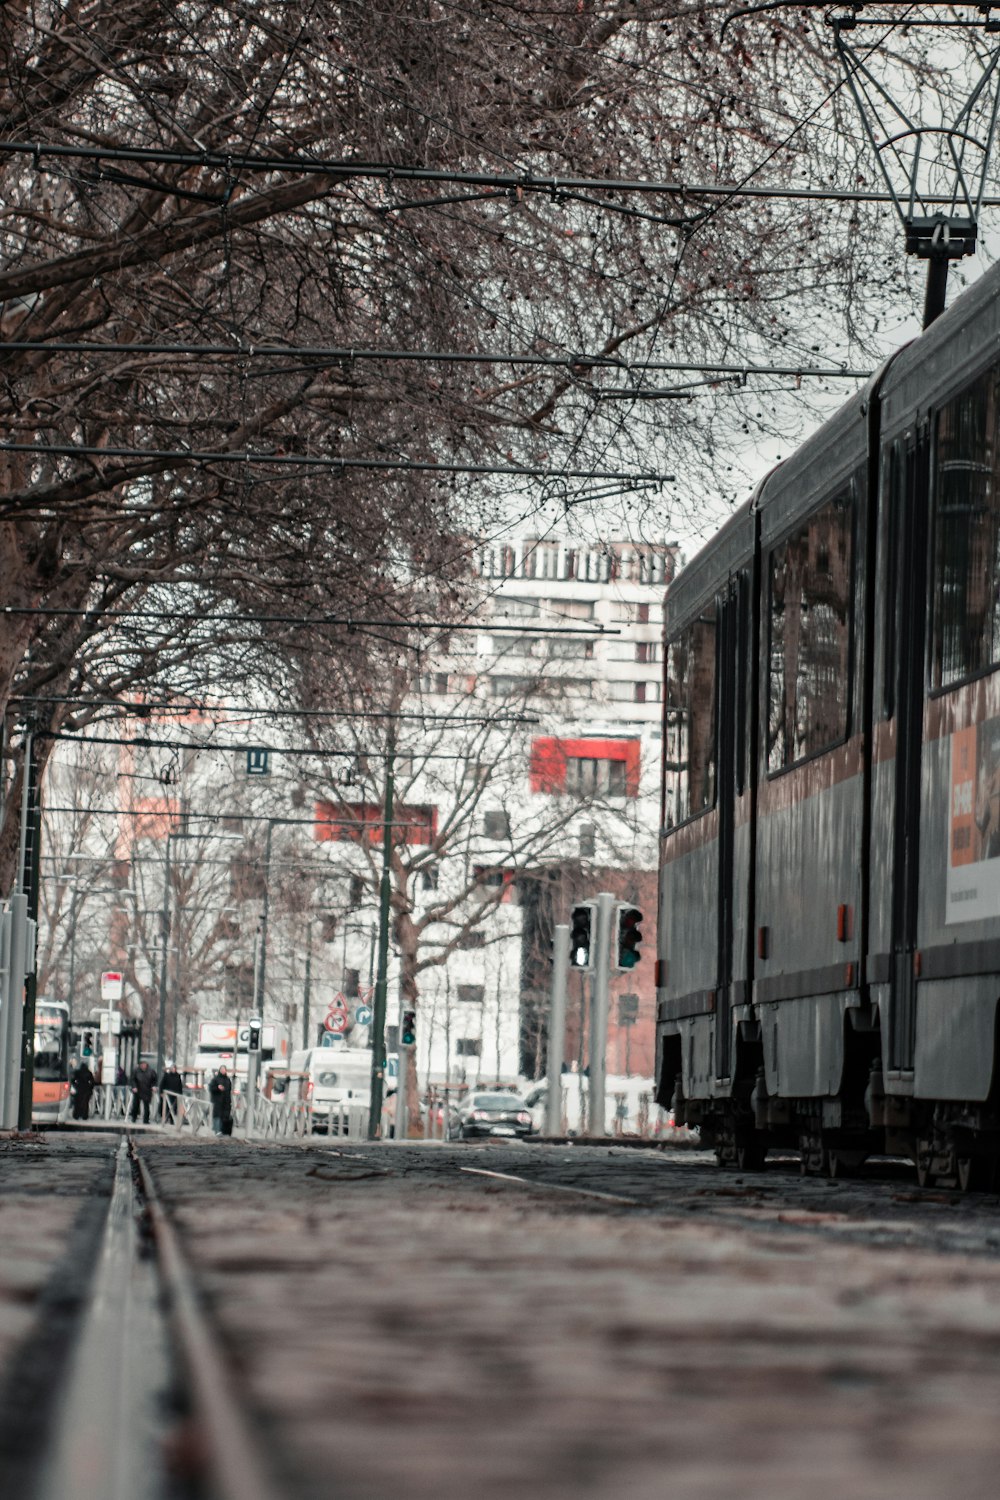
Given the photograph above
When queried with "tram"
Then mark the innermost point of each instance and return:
(828, 968)
(50, 1091)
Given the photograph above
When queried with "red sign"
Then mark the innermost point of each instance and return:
(336, 1021)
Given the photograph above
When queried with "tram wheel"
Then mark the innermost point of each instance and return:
(750, 1156)
(976, 1174)
(845, 1163)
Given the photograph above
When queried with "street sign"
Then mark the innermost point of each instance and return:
(111, 986)
(336, 1021)
(258, 762)
(363, 1015)
(339, 1002)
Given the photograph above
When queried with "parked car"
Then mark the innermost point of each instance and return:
(491, 1115)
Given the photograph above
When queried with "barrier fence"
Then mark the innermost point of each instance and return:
(264, 1119)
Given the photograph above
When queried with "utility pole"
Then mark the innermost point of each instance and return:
(557, 1029)
(599, 1014)
(165, 946)
(307, 984)
(381, 981)
(31, 836)
(262, 956)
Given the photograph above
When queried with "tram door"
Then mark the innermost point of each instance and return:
(732, 614)
(909, 501)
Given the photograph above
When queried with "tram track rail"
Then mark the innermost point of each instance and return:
(123, 1388)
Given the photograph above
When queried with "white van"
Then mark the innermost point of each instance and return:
(339, 1077)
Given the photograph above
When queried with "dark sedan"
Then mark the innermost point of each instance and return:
(492, 1115)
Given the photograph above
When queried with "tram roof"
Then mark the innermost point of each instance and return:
(946, 357)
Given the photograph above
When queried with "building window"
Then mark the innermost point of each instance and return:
(587, 835)
(496, 824)
(565, 648)
(585, 767)
(352, 983)
(429, 878)
(810, 636)
(517, 608)
(468, 1046)
(966, 624)
(639, 692)
(642, 614)
(356, 895)
(471, 994)
(591, 777)
(689, 751)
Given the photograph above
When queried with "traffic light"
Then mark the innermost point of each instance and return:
(629, 937)
(408, 1030)
(88, 1044)
(580, 935)
(253, 1034)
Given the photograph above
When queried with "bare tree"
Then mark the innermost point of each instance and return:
(170, 470)
(465, 836)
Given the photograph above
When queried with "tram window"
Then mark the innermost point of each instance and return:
(689, 754)
(966, 632)
(810, 636)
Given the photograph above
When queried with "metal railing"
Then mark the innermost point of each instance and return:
(265, 1119)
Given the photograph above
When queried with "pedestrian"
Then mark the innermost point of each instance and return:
(220, 1094)
(81, 1086)
(171, 1089)
(143, 1084)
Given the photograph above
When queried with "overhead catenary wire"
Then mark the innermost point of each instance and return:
(505, 182)
(487, 627)
(313, 461)
(572, 362)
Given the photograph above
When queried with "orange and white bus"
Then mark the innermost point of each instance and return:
(50, 1092)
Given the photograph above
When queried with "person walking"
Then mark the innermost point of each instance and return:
(81, 1086)
(220, 1094)
(143, 1084)
(171, 1089)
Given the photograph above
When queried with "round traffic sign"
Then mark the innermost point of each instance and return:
(363, 1015)
(336, 1021)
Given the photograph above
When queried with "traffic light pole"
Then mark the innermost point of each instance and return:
(557, 1030)
(599, 1015)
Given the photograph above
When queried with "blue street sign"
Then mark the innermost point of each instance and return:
(258, 762)
(363, 1015)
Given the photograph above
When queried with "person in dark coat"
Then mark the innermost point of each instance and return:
(171, 1089)
(143, 1084)
(81, 1086)
(220, 1093)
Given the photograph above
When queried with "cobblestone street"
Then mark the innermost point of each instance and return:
(621, 1323)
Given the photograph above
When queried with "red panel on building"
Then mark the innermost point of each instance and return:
(345, 822)
(547, 767)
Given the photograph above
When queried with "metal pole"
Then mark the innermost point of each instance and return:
(72, 949)
(31, 887)
(165, 941)
(385, 899)
(557, 1029)
(262, 966)
(599, 1015)
(12, 1017)
(307, 986)
(936, 289)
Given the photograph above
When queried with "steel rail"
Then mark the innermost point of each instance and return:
(109, 1417)
(234, 1461)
